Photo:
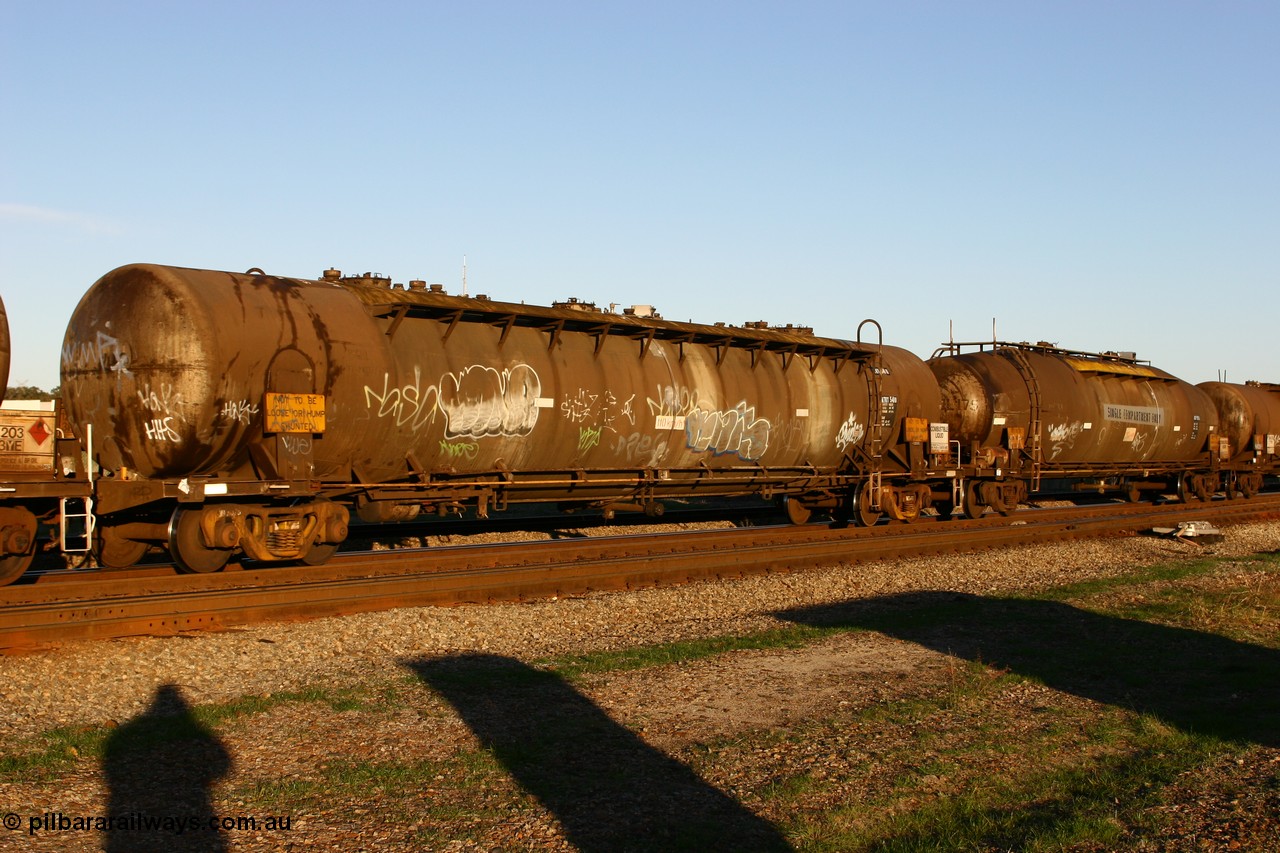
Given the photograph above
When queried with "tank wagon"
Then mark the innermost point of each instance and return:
(1247, 446)
(41, 478)
(1019, 413)
(252, 413)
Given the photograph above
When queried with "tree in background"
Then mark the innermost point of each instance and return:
(30, 392)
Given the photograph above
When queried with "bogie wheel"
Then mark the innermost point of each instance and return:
(797, 512)
(866, 515)
(1185, 490)
(319, 554)
(1132, 493)
(15, 566)
(114, 551)
(973, 505)
(186, 545)
(1248, 487)
(945, 509)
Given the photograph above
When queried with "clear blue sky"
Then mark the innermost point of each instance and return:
(1102, 175)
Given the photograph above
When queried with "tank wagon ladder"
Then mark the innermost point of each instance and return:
(78, 511)
(1033, 446)
(875, 429)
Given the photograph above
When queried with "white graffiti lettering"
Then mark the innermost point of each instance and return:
(104, 354)
(672, 401)
(299, 444)
(852, 431)
(161, 429)
(737, 431)
(481, 401)
(163, 400)
(1063, 437)
(579, 407)
(242, 411)
(475, 402)
(641, 448)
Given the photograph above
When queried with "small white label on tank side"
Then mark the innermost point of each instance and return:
(998, 420)
(545, 403)
(1087, 425)
(1130, 434)
(1177, 427)
(668, 422)
(802, 413)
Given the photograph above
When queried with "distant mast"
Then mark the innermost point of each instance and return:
(464, 275)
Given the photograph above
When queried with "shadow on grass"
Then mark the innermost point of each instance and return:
(609, 790)
(1200, 683)
(160, 768)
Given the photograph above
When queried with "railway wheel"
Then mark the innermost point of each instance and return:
(17, 542)
(114, 551)
(867, 516)
(319, 554)
(1250, 485)
(15, 566)
(1132, 493)
(1192, 486)
(974, 506)
(187, 546)
(797, 512)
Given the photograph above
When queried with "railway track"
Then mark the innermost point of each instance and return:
(157, 601)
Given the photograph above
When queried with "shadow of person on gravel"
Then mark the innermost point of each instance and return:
(610, 790)
(1197, 682)
(160, 768)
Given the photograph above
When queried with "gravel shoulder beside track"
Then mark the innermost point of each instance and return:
(113, 680)
(669, 707)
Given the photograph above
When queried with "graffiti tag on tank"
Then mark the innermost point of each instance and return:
(640, 448)
(852, 431)
(1063, 437)
(240, 411)
(459, 449)
(737, 431)
(480, 401)
(163, 400)
(598, 409)
(475, 402)
(104, 354)
(671, 404)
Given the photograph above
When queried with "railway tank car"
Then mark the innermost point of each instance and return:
(1022, 412)
(249, 412)
(1248, 441)
(41, 479)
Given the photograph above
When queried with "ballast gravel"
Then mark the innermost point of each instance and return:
(113, 681)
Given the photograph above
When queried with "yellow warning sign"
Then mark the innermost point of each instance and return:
(295, 413)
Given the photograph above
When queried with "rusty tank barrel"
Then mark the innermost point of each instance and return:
(1248, 415)
(193, 372)
(4, 351)
(1090, 408)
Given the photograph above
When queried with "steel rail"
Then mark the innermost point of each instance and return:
(39, 615)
